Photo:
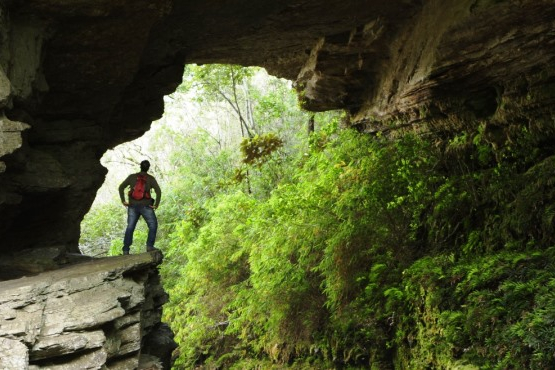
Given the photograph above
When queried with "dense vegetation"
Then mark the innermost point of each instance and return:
(345, 250)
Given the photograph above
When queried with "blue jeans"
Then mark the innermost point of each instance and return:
(133, 214)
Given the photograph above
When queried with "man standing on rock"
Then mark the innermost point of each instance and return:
(140, 203)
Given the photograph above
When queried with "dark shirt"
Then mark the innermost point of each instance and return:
(151, 183)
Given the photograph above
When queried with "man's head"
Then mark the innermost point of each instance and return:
(145, 165)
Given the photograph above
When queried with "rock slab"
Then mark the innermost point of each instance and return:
(97, 314)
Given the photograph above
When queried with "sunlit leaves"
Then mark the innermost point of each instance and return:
(214, 81)
(343, 250)
(256, 150)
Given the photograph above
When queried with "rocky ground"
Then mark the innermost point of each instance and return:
(100, 313)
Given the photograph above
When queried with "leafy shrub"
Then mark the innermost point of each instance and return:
(360, 251)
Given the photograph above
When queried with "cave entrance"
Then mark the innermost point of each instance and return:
(195, 151)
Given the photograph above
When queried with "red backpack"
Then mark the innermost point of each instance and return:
(139, 191)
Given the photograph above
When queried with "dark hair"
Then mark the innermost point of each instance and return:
(145, 165)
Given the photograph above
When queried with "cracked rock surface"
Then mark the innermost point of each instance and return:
(101, 313)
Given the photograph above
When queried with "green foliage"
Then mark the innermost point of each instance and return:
(335, 274)
(216, 265)
(344, 250)
(256, 150)
(309, 292)
(104, 224)
(214, 81)
(480, 311)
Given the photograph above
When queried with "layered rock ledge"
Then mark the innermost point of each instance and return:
(102, 313)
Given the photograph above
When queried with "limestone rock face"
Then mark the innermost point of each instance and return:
(103, 313)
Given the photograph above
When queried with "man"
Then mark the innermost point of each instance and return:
(140, 203)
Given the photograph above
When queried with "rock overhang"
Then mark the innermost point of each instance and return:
(81, 77)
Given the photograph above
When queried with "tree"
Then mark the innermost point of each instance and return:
(227, 83)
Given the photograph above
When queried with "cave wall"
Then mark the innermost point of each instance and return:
(79, 78)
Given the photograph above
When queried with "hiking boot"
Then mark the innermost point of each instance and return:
(125, 253)
(151, 249)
